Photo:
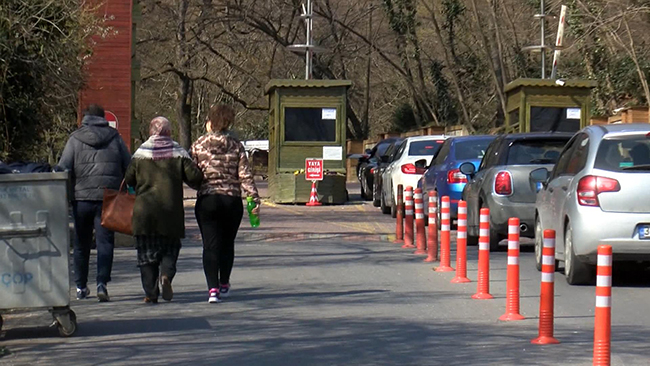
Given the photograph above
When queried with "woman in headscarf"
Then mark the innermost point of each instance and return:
(219, 207)
(157, 172)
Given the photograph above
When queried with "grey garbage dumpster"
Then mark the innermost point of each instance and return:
(34, 246)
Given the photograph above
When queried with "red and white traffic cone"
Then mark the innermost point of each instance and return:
(512, 284)
(603, 326)
(483, 286)
(399, 224)
(313, 196)
(420, 233)
(445, 236)
(461, 245)
(547, 295)
(432, 238)
(408, 218)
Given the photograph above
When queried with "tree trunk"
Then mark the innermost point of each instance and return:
(450, 64)
(495, 70)
(185, 112)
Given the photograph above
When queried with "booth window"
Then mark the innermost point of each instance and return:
(544, 119)
(308, 124)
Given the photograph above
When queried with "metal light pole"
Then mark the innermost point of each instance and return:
(542, 46)
(308, 48)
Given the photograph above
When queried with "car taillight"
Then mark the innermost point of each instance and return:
(503, 183)
(412, 169)
(591, 186)
(373, 170)
(455, 176)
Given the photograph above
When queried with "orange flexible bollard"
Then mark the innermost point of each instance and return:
(408, 218)
(432, 239)
(512, 284)
(483, 286)
(313, 196)
(603, 324)
(399, 226)
(461, 245)
(547, 292)
(445, 236)
(420, 233)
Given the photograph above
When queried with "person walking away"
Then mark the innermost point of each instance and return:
(219, 208)
(157, 172)
(97, 158)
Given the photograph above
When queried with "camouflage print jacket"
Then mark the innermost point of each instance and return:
(225, 166)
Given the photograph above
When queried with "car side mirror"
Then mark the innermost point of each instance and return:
(539, 177)
(368, 152)
(468, 169)
(422, 163)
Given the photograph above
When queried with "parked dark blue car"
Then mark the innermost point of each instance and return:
(443, 174)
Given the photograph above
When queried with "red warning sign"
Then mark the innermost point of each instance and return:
(314, 169)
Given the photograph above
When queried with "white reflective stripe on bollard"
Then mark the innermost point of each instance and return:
(548, 260)
(548, 277)
(513, 260)
(604, 281)
(603, 301)
(605, 260)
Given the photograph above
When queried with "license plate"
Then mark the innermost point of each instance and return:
(644, 232)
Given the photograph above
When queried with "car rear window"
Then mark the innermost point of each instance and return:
(529, 152)
(626, 153)
(383, 146)
(471, 150)
(424, 148)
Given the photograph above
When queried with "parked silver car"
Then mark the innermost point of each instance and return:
(502, 182)
(598, 193)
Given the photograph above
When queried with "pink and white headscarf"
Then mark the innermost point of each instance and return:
(160, 145)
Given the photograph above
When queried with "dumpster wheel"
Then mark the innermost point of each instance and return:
(67, 324)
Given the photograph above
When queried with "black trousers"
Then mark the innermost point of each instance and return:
(88, 216)
(219, 217)
(157, 256)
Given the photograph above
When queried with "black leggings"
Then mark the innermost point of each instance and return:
(218, 217)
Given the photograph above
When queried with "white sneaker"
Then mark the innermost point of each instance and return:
(214, 296)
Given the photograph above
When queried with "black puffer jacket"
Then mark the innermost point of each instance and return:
(97, 158)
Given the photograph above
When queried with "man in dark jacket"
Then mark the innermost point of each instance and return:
(97, 158)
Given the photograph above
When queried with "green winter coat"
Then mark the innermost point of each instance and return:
(158, 184)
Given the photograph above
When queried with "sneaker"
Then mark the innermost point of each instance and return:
(150, 301)
(214, 296)
(82, 293)
(102, 293)
(167, 292)
(224, 290)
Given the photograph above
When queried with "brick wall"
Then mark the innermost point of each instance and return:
(108, 71)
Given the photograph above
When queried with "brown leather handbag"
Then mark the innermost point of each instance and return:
(117, 210)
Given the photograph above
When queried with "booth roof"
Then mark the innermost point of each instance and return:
(296, 83)
(550, 83)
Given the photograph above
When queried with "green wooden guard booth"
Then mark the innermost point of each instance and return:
(307, 119)
(537, 105)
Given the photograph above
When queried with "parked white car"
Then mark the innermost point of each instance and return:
(402, 169)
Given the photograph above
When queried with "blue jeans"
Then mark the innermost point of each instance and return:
(88, 216)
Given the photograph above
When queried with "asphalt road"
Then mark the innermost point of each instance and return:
(337, 301)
